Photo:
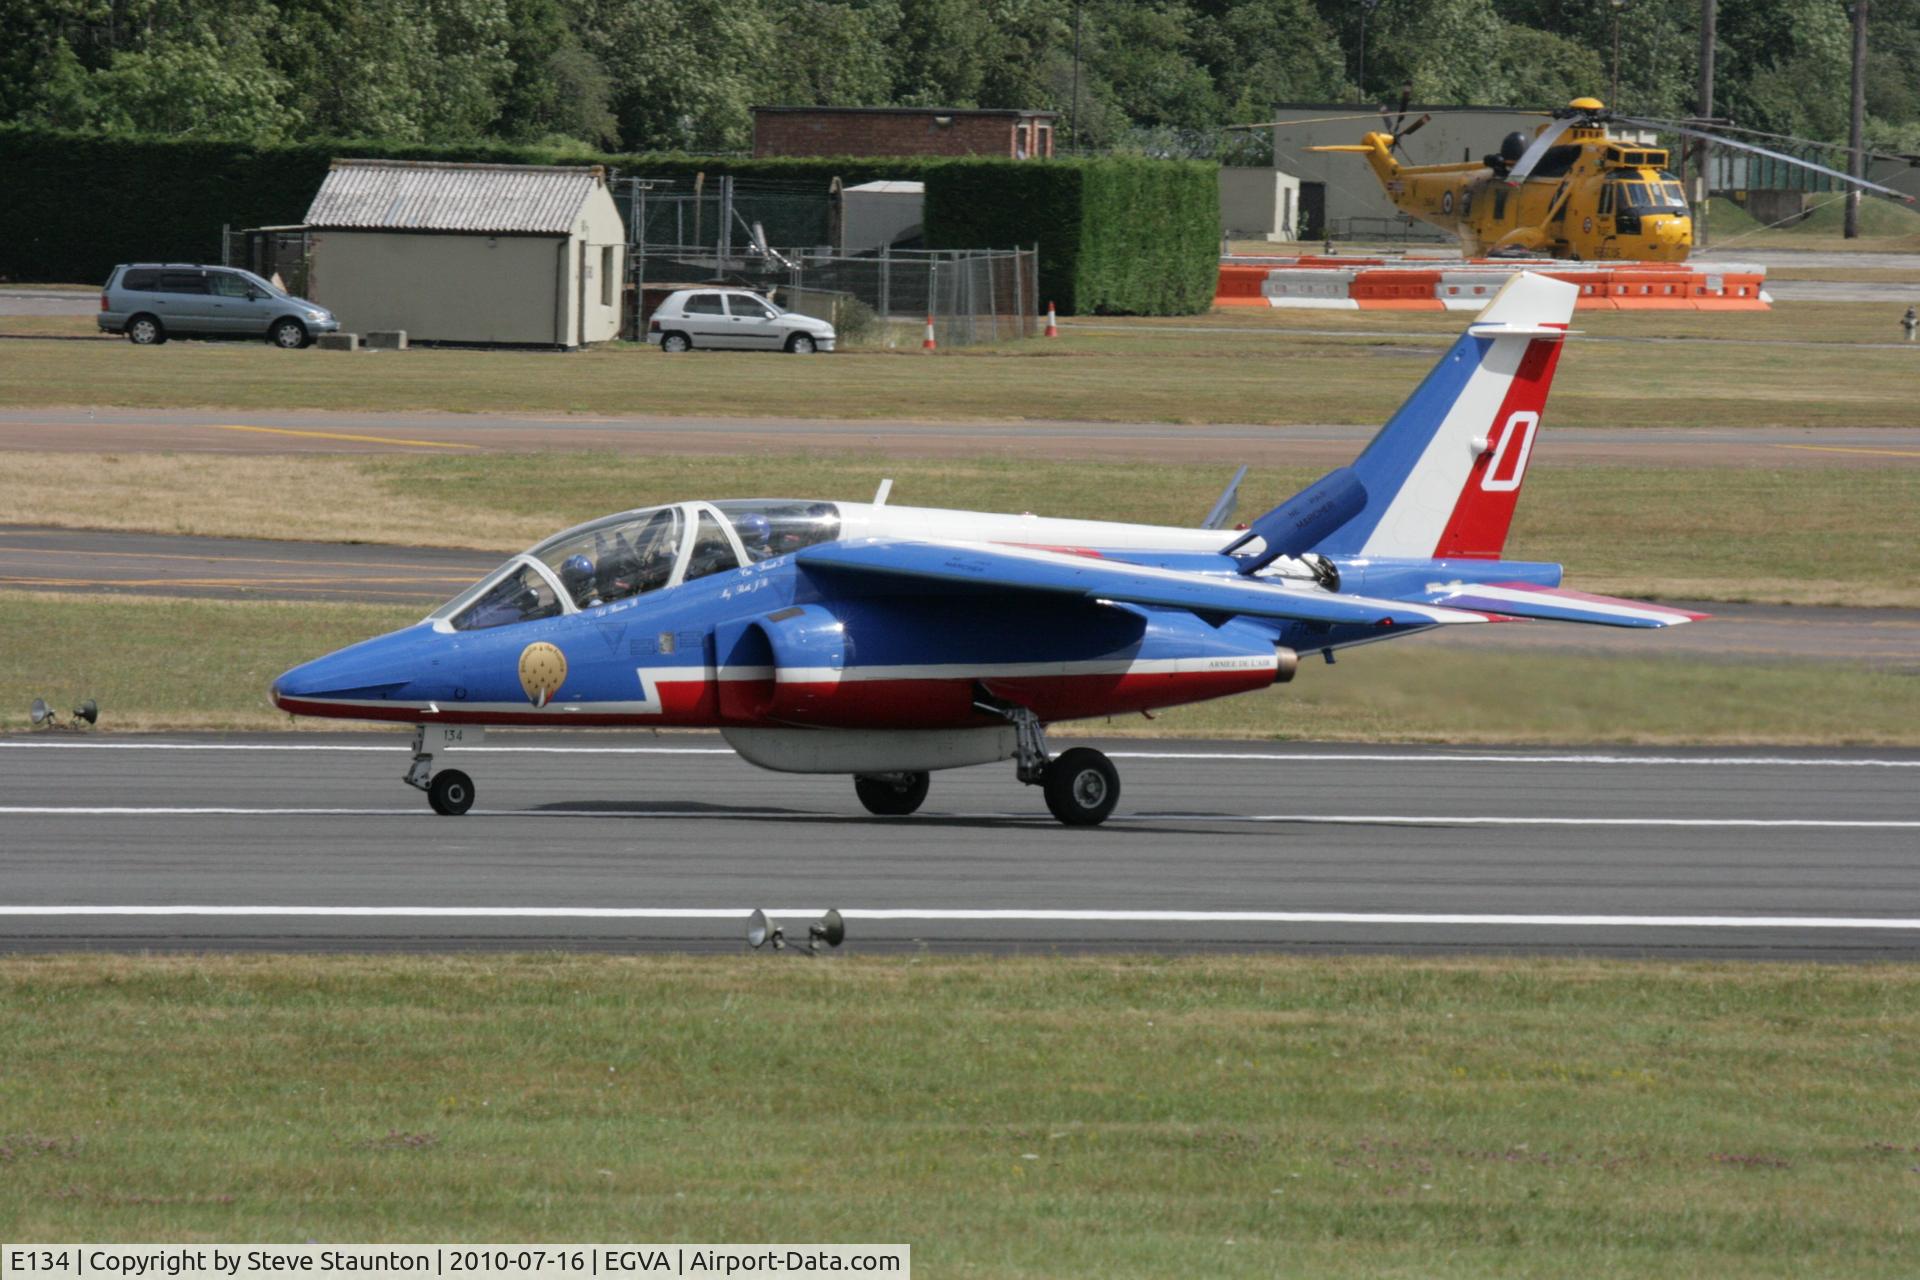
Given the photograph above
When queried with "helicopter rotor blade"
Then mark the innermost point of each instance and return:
(1415, 127)
(1538, 148)
(1720, 141)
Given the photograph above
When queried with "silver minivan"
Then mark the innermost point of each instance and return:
(153, 301)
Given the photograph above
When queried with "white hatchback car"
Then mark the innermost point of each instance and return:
(734, 319)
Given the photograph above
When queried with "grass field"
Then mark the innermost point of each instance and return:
(188, 664)
(1274, 371)
(1803, 535)
(1008, 1117)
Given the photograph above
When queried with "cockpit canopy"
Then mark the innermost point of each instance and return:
(635, 552)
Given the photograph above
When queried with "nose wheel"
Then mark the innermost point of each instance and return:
(449, 792)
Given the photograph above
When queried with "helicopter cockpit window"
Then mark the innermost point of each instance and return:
(625, 555)
(775, 526)
(521, 596)
(1606, 199)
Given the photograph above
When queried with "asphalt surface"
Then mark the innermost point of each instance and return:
(627, 842)
(96, 562)
(1229, 444)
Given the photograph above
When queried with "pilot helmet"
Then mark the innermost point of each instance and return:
(576, 570)
(754, 529)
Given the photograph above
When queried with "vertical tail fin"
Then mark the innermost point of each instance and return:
(1443, 476)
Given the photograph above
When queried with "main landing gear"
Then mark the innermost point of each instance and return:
(449, 791)
(1081, 784)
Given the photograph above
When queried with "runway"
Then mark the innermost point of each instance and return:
(624, 842)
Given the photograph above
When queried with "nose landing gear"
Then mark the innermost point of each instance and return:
(1081, 785)
(449, 791)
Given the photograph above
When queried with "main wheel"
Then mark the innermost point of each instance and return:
(450, 793)
(288, 334)
(891, 795)
(675, 343)
(146, 331)
(802, 344)
(1082, 787)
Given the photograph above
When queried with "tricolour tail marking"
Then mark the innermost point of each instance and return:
(1443, 476)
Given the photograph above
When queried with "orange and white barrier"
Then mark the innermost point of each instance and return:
(1369, 284)
(1053, 323)
(928, 344)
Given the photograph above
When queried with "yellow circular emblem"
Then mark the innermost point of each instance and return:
(543, 669)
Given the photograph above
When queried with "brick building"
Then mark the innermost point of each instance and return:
(902, 131)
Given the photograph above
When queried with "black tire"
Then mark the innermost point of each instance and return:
(146, 331)
(288, 334)
(1082, 787)
(450, 793)
(802, 344)
(674, 343)
(891, 795)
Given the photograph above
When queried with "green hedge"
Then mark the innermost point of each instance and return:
(1115, 234)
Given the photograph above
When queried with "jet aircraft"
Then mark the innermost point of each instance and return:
(888, 642)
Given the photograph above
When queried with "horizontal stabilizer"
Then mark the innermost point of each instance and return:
(1091, 578)
(1552, 604)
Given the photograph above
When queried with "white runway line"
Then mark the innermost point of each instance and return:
(1307, 819)
(1277, 757)
(965, 915)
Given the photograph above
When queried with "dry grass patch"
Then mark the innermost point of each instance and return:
(1806, 535)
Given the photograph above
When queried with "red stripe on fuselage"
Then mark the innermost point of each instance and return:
(847, 704)
(1477, 529)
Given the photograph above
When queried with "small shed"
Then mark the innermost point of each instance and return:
(520, 255)
(877, 214)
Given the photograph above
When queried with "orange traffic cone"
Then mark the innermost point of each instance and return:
(929, 344)
(1053, 325)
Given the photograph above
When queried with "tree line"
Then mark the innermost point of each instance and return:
(1156, 76)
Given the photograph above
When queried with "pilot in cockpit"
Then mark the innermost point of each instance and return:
(576, 572)
(756, 534)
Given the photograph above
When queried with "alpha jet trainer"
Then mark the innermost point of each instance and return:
(888, 642)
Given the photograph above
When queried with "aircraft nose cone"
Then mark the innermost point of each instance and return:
(371, 671)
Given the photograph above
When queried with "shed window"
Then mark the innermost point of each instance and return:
(705, 304)
(606, 276)
(182, 282)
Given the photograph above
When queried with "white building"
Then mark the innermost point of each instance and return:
(520, 255)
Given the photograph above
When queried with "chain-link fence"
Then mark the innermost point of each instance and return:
(886, 299)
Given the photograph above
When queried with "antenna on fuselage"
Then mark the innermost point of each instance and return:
(880, 494)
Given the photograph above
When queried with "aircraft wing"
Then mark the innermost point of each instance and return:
(1092, 578)
(1525, 600)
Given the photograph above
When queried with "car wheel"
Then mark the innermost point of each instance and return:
(288, 335)
(675, 343)
(145, 331)
(802, 344)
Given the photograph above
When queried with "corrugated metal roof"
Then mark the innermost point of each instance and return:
(419, 195)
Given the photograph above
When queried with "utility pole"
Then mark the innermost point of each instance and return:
(1857, 129)
(1613, 99)
(1073, 117)
(1705, 109)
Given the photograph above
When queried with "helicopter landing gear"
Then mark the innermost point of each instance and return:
(450, 791)
(1081, 785)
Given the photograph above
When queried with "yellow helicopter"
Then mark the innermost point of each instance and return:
(1571, 191)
